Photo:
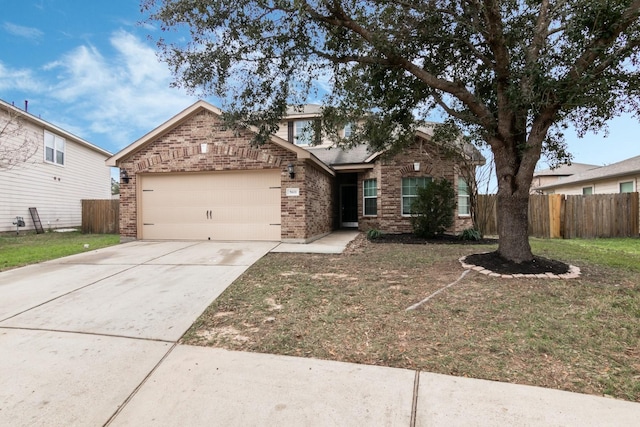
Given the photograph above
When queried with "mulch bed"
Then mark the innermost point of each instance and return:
(491, 261)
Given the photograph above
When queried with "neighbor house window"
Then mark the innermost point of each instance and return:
(626, 187)
(370, 192)
(587, 191)
(53, 148)
(410, 191)
(303, 132)
(464, 205)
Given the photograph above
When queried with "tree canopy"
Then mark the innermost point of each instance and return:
(511, 74)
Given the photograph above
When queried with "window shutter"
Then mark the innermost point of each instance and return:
(290, 131)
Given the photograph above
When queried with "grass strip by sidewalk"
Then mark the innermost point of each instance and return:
(580, 335)
(30, 248)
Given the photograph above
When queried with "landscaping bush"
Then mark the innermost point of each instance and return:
(433, 208)
(471, 234)
(374, 233)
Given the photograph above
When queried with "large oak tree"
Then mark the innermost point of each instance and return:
(510, 73)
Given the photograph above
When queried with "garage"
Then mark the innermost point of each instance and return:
(225, 205)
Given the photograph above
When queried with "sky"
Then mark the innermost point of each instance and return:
(90, 67)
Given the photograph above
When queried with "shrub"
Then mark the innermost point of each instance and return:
(471, 234)
(432, 209)
(374, 234)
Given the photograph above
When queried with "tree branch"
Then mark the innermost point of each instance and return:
(340, 19)
(598, 46)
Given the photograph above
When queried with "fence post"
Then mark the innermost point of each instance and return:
(555, 217)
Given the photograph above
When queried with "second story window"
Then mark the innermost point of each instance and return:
(53, 148)
(303, 132)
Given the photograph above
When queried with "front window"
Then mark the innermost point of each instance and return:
(303, 132)
(587, 191)
(626, 187)
(410, 191)
(370, 192)
(464, 205)
(53, 148)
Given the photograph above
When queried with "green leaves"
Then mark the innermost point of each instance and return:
(433, 208)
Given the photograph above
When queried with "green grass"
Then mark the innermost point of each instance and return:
(613, 253)
(29, 248)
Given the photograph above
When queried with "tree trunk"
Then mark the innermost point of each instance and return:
(514, 171)
(513, 226)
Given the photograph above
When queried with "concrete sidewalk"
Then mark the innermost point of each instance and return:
(334, 243)
(198, 386)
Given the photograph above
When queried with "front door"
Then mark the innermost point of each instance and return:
(348, 206)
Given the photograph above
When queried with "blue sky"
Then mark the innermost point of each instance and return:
(90, 68)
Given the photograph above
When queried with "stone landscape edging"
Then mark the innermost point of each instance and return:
(574, 272)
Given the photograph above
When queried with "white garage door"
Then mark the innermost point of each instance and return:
(237, 205)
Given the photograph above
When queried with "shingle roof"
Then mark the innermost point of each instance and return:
(625, 167)
(338, 156)
(566, 170)
(304, 110)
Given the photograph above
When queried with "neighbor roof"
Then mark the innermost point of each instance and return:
(625, 167)
(51, 127)
(566, 170)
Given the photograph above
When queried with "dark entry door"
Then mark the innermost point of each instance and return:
(349, 206)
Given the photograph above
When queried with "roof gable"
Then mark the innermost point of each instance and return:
(184, 116)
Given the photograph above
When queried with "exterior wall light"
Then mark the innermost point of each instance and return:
(124, 176)
(291, 170)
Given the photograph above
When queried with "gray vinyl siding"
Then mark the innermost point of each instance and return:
(56, 191)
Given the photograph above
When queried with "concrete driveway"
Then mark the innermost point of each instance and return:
(80, 334)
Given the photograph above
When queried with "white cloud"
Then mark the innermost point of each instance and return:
(20, 79)
(21, 31)
(121, 95)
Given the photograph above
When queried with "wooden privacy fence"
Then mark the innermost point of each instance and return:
(561, 216)
(101, 216)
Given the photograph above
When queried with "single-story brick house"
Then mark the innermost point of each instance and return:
(192, 178)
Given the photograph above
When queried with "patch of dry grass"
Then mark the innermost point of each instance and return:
(580, 335)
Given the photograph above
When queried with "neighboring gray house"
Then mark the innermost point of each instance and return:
(552, 175)
(57, 172)
(620, 177)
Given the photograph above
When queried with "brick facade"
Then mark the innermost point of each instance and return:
(389, 171)
(310, 204)
(303, 217)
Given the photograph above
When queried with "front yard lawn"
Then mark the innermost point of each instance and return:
(30, 248)
(581, 335)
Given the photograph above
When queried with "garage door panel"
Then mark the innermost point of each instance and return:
(240, 214)
(228, 205)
